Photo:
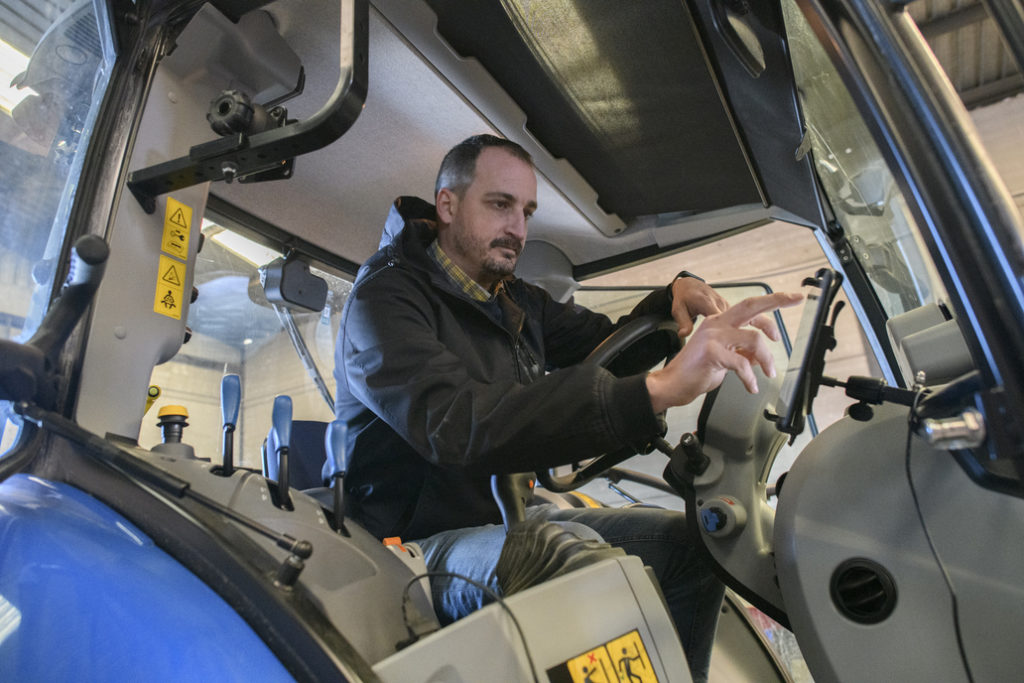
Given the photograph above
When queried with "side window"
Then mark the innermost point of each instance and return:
(235, 330)
(55, 60)
(861, 189)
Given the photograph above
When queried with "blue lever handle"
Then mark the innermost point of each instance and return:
(230, 399)
(334, 441)
(281, 419)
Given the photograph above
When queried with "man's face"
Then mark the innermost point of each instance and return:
(484, 231)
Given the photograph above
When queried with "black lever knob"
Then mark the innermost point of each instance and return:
(511, 492)
(696, 462)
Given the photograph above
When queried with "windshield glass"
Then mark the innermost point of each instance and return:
(236, 330)
(54, 65)
(862, 192)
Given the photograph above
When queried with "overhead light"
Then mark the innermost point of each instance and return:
(254, 253)
(12, 63)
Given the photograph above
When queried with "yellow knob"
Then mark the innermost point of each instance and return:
(173, 410)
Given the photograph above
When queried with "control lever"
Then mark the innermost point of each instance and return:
(696, 462)
(337, 462)
(281, 421)
(88, 261)
(230, 399)
(25, 369)
(511, 492)
(687, 462)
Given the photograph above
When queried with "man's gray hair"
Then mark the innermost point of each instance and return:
(459, 165)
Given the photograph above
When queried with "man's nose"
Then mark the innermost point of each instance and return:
(517, 227)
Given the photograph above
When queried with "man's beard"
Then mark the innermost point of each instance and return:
(501, 266)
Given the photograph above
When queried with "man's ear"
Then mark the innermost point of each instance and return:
(447, 204)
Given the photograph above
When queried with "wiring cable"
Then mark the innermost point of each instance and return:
(413, 637)
(911, 423)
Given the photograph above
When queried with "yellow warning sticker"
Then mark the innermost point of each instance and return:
(623, 659)
(177, 226)
(594, 667)
(170, 288)
(631, 660)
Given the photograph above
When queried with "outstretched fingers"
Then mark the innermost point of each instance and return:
(766, 324)
(732, 340)
(747, 346)
(755, 349)
(732, 359)
(741, 349)
(754, 308)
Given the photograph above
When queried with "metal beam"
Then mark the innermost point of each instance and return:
(993, 91)
(1009, 19)
(953, 21)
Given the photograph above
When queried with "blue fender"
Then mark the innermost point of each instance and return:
(86, 596)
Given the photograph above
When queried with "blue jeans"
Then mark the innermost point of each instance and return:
(656, 536)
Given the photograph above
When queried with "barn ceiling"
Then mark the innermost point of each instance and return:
(970, 48)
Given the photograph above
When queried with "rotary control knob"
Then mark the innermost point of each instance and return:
(722, 516)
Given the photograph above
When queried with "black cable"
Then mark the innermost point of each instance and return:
(487, 590)
(911, 419)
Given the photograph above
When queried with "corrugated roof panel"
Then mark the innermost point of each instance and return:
(970, 48)
(23, 22)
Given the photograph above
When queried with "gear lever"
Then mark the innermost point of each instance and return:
(337, 462)
(230, 399)
(511, 492)
(281, 419)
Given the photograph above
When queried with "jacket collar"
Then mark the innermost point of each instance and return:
(405, 210)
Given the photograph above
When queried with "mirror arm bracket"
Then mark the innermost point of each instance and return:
(240, 155)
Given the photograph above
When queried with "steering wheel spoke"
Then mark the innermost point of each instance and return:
(604, 355)
(584, 474)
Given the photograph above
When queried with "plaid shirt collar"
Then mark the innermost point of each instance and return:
(464, 282)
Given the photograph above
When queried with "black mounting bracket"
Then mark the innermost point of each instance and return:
(271, 152)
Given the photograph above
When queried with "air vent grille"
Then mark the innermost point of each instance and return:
(863, 591)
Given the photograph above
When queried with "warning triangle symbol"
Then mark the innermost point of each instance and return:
(171, 276)
(178, 218)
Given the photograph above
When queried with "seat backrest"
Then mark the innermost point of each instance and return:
(306, 455)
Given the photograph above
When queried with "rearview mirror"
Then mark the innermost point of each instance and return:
(288, 281)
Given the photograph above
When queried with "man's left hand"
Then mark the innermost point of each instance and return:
(692, 297)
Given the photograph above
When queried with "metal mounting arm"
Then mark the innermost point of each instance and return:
(239, 155)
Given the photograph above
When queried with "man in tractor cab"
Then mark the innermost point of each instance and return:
(450, 369)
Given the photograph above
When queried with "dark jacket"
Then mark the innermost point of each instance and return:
(439, 391)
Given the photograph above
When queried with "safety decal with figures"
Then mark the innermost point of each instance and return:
(622, 660)
(177, 228)
(170, 281)
(170, 288)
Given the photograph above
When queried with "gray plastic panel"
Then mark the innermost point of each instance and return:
(127, 338)
(848, 496)
(742, 444)
(561, 619)
(926, 341)
(357, 581)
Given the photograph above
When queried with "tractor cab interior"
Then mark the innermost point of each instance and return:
(190, 188)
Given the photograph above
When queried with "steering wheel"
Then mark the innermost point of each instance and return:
(604, 355)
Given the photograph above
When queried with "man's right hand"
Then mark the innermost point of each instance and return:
(722, 343)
